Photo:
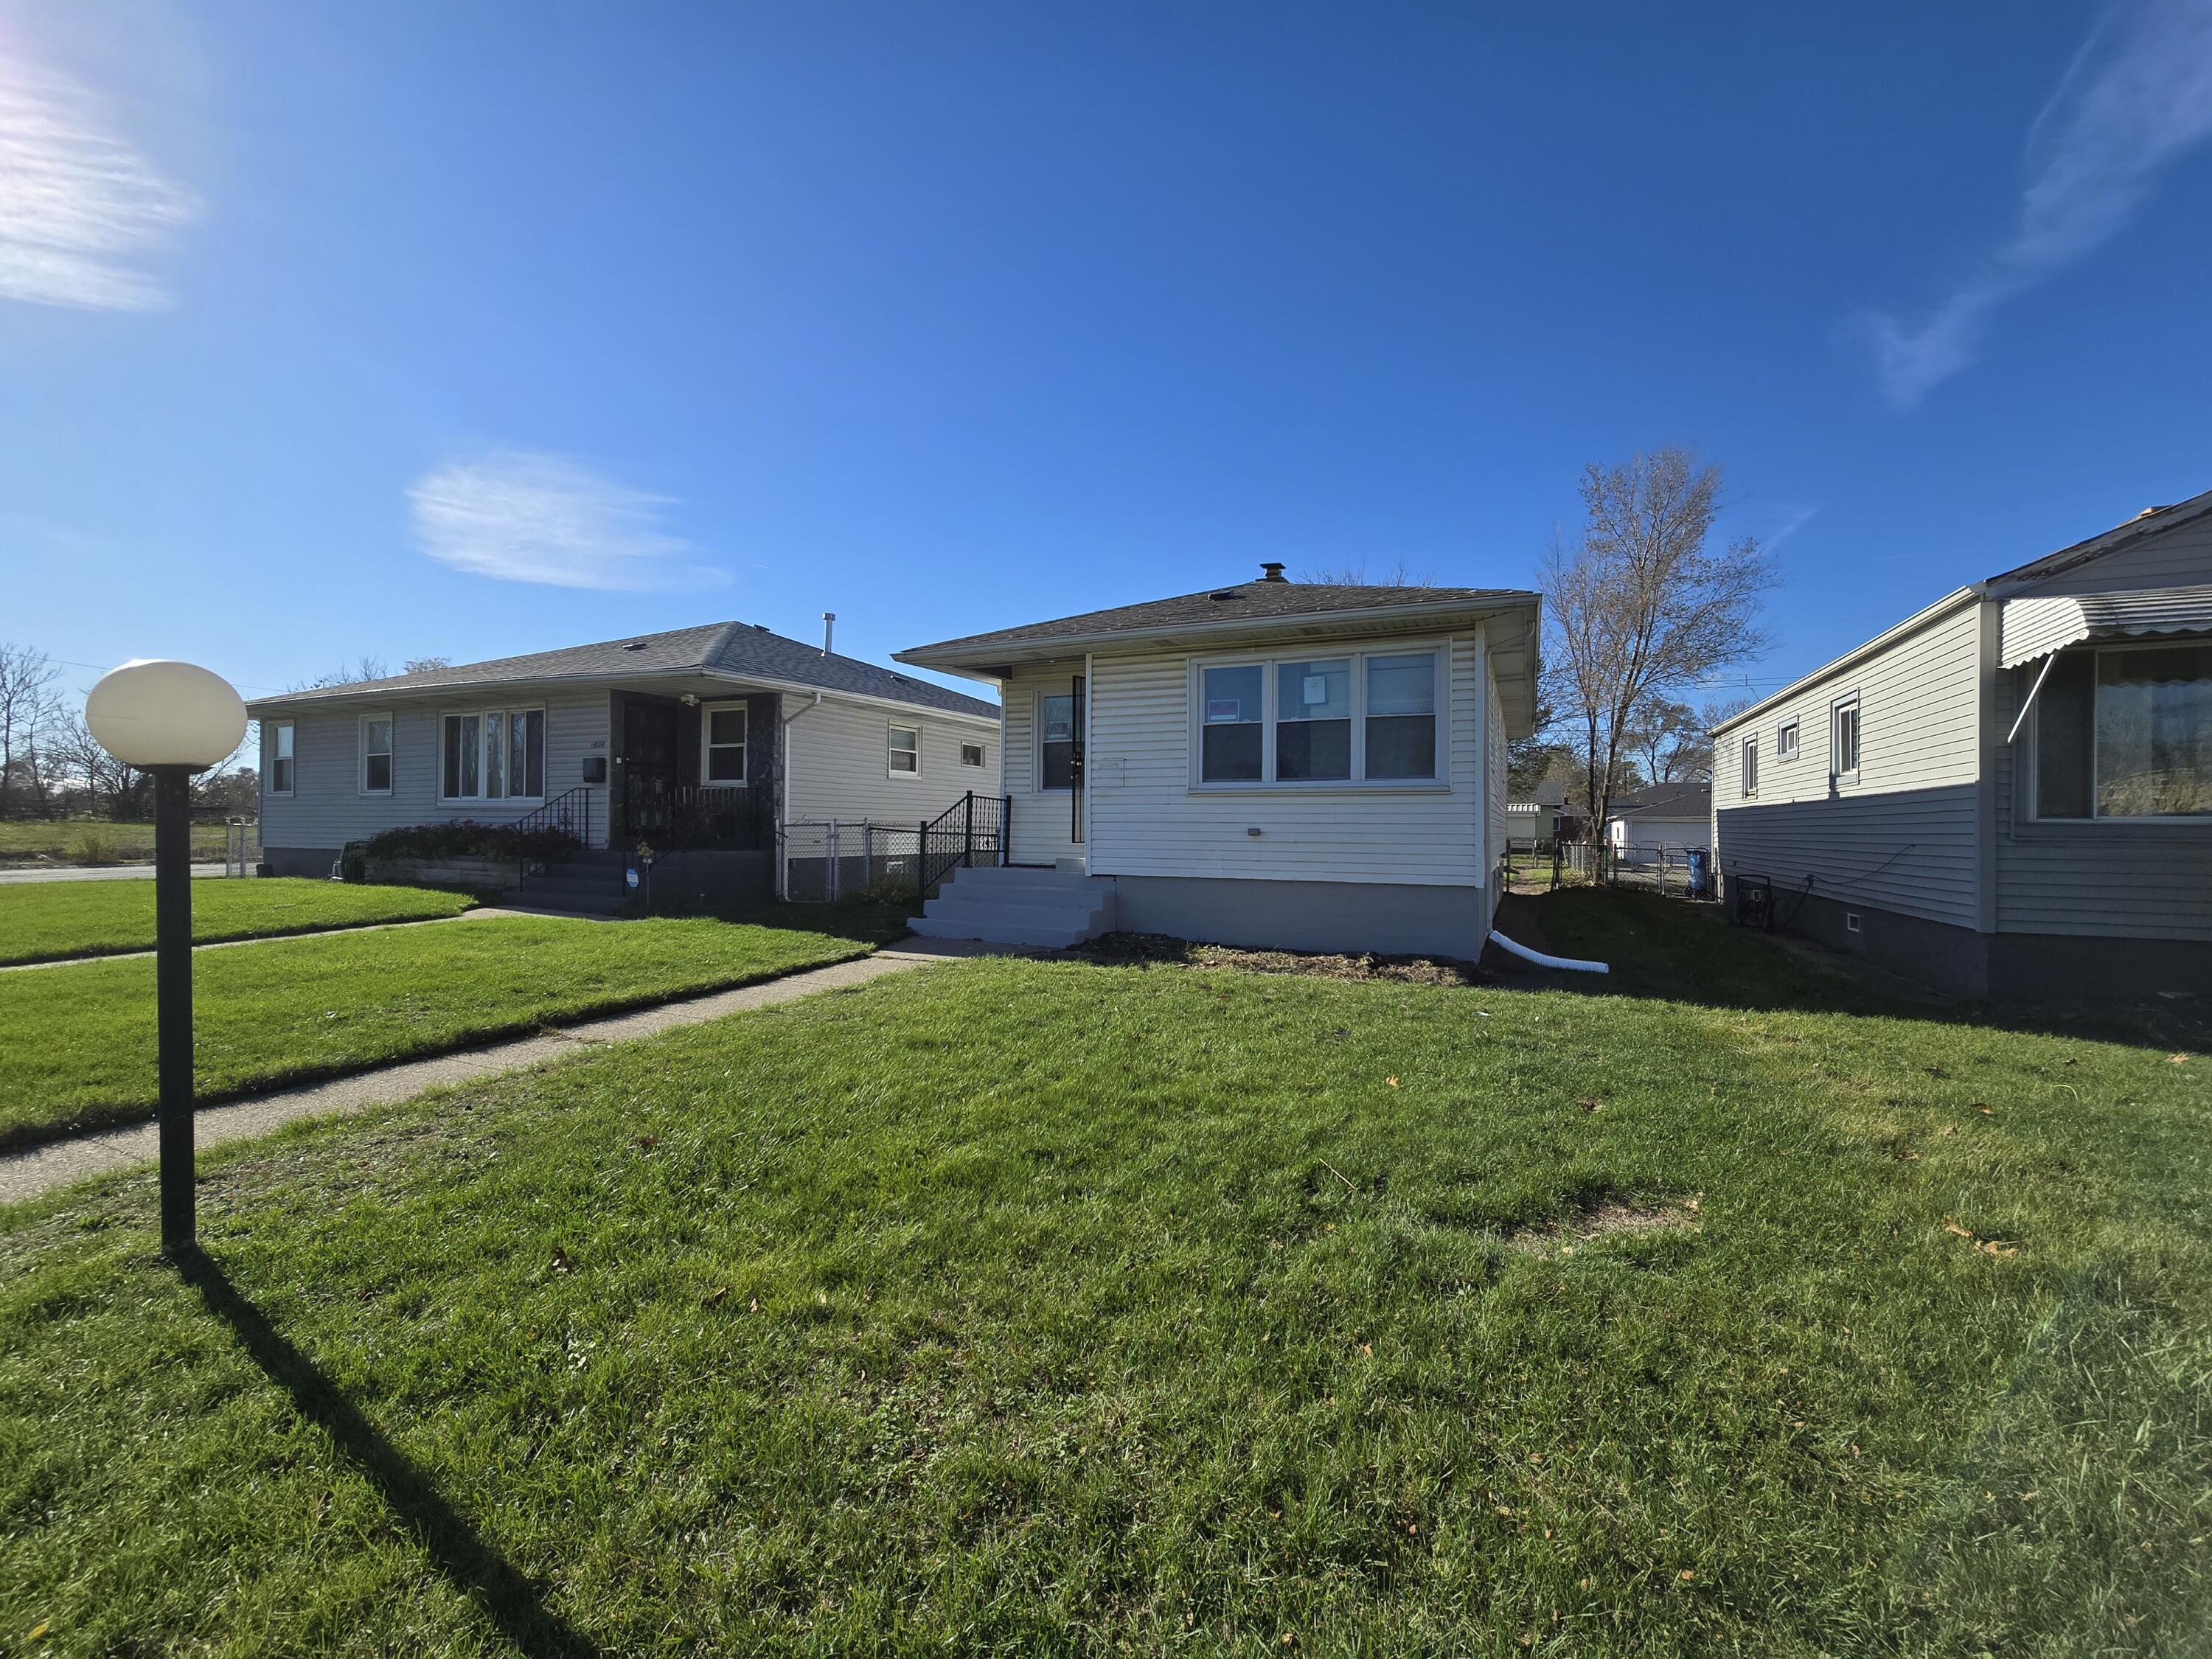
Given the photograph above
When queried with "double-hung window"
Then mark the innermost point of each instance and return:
(1844, 739)
(376, 754)
(2126, 732)
(905, 751)
(1750, 772)
(281, 761)
(1358, 717)
(722, 743)
(492, 753)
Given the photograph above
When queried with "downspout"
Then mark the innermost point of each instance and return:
(783, 805)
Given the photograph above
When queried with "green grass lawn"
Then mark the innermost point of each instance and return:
(1022, 1306)
(43, 921)
(78, 1040)
(93, 840)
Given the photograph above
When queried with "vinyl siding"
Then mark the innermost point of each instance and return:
(1903, 836)
(2115, 880)
(326, 808)
(1147, 819)
(839, 763)
(1042, 819)
(2179, 557)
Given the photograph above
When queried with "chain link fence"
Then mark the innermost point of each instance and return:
(832, 859)
(242, 846)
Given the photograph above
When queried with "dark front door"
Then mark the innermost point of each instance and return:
(648, 762)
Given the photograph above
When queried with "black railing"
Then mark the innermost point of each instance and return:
(972, 829)
(567, 814)
(665, 814)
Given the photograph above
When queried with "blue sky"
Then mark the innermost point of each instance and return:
(485, 328)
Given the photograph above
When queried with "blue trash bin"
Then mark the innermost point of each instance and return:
(1701, 872)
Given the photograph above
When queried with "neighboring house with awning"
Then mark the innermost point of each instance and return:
(2010, 792)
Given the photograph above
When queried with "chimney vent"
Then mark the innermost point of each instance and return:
(1272, 572)
(828, 626)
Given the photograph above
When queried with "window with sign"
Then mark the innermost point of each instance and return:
(1360, 717)
(1056, 741)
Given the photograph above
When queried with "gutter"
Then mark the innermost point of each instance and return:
(783, 805)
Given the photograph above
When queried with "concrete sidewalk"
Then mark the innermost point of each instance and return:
(26, 1175)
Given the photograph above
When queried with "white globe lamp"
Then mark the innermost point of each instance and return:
(170, 719)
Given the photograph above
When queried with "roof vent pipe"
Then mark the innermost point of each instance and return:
(1272, 572)
(828, 626)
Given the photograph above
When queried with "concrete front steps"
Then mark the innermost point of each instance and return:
(589, 884)
(1016, 904)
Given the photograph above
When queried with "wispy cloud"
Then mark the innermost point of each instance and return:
(80, 208)
(521, 517)
(1792, 520)
(2136, 95)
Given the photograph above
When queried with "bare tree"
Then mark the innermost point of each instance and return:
(1669, 742)
(368, 668)
(1355, 575)
(26, 705)
(1638, 610)
(424, 664)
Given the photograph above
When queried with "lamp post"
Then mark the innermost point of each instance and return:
(170, 719)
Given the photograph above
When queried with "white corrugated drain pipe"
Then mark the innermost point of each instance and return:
(1543, 961)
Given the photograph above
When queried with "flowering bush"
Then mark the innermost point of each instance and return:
(465, 838)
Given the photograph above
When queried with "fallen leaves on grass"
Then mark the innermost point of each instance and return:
(1986, 1246)
(1589, 1105)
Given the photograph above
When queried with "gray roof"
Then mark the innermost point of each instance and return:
(730, 649)
(1245, 601)
(2150, 521)
(1670, 801)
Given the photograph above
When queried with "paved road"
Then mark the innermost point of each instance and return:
(94, 873)
(26, 1175)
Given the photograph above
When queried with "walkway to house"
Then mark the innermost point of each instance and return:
(26, 1175)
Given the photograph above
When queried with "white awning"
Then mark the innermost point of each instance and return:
(2036, 625)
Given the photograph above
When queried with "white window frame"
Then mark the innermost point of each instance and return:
(1788, 740)
(2163, 820)
(276, 729)
(1038, 785)
(892, 771)
(981, 754)
(1849, 701)
(708, 746)
(1269, 663)
(507, 712)
(363, 751)
(1747, 770)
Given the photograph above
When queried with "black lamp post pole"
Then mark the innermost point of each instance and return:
(173, 979)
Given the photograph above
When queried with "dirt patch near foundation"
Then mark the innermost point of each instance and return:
(1158, 950)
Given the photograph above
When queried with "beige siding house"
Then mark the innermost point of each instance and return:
(702, 742)
(2009, 793)
(1280, 764)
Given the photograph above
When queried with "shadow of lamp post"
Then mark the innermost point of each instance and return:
(170, 719)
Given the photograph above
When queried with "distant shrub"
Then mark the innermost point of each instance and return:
(91, 848)
(465, 838)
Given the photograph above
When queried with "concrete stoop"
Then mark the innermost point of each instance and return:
(1014, 904)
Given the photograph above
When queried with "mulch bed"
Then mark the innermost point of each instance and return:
(1158, 950)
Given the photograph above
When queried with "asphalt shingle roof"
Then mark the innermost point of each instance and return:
(1670, 801)
(739, 648)
(1218, 604)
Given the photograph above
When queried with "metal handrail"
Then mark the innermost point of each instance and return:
(957, 844)
(569, 812)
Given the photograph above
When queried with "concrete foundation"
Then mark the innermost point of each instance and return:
(1308, 916)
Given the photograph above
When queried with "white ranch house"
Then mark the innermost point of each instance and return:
(1274, 763)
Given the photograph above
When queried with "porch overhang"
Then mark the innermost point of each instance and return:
(2038, 624)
